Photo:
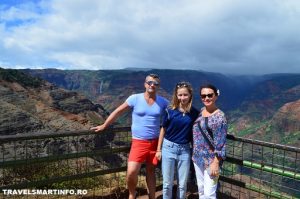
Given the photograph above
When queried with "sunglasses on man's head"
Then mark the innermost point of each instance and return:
(182, 84)
(155, 83)
(210, 95)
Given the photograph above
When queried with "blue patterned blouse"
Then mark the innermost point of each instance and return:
(202, 154)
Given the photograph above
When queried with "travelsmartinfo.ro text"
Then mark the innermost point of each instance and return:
(44, 191)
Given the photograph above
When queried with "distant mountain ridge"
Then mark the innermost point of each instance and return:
(100, 85)
(250, 102)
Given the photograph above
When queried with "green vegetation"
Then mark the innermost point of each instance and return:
(230, 169)
(252, 128)
(291, 139)
(25, 80)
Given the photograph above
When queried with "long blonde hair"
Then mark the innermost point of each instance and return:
(175, 102)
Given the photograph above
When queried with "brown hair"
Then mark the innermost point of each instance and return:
(175, 102)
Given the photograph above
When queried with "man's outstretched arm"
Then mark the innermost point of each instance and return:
(112, 117)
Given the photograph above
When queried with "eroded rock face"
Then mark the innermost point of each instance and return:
(27, 108)
(14, 120)
(70, 101)
(288, 117)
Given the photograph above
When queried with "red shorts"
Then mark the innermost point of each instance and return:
(143, 150)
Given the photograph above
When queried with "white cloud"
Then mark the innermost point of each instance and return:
(228, 36)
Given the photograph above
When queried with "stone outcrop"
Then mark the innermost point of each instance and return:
(287, 118)
(27, 107)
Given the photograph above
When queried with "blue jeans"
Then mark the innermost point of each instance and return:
(175, 156)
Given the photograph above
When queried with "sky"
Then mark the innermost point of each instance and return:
(224, 36)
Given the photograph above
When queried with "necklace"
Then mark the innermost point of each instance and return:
(183, 111)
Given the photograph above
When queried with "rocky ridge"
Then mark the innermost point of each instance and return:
(42, 106)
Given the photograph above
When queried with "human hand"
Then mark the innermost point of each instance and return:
(214, 169)
(98, 128)
(158, 155)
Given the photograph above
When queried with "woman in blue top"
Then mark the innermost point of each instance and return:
(175, 138)
(209, 142)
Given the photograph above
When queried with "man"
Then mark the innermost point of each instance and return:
(147, 109)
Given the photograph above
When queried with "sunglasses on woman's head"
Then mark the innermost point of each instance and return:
(210, 95)
(155, 83)
(182, 84)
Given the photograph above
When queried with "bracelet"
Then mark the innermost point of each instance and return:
(158, 151)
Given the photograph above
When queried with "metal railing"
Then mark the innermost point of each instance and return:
(68, 160)
(258, 169)
(97, 163)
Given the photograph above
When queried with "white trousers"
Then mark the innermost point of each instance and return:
(207, 186)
